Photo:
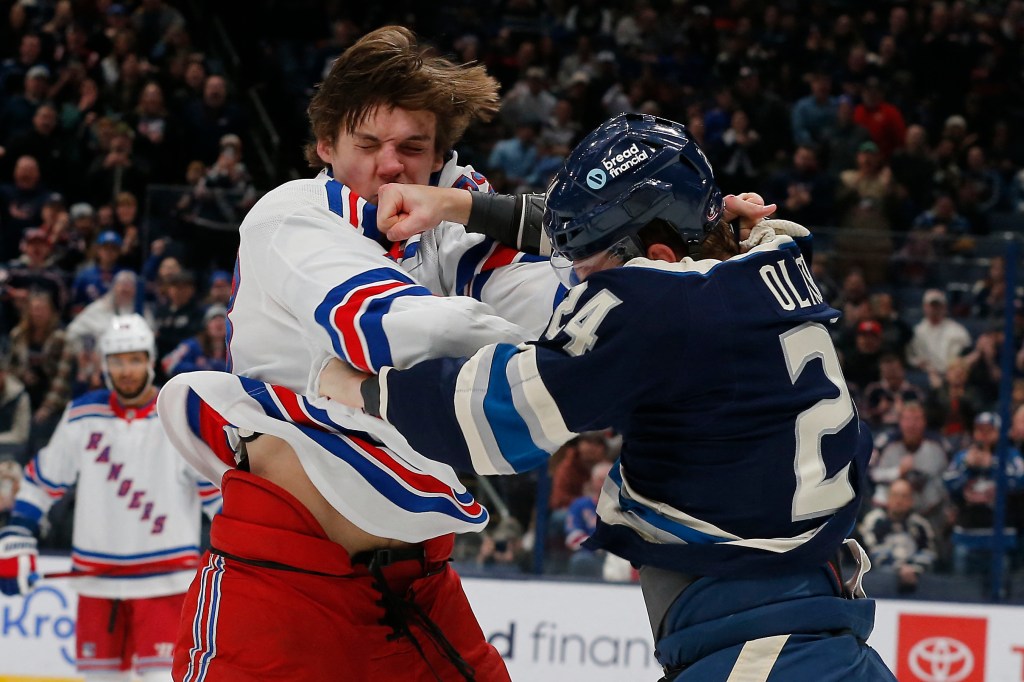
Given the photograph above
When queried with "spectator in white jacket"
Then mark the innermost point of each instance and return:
(937, 339)
(95, 318)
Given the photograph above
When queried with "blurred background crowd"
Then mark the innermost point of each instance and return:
(134, 136)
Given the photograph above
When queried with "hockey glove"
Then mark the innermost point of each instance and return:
(765, 232)
(762, 233)
(786, 227)
(17, 560)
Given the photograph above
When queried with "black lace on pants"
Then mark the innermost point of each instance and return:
(400, 612)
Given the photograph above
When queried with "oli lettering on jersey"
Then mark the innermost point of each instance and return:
(780, 280)
(134, 499)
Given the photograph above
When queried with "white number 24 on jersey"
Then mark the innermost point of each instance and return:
(582, 327)
(815, 494)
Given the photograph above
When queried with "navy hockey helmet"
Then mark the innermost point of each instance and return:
(630, 170)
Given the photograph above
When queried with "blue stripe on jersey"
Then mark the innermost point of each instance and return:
(469, 262)
(47, 482)
(387, 486)
(411, 249)
(371, 322)
(651, 517)
(192, 404)
(334, 202)
(509, 429)
(376, 348)
(324, 418)
(477, 287)
(463, 182)
(260, 392)
(560, 293)
(100, 396)
(368, 220)
(144, 555)
(26, 510)
(368, 215)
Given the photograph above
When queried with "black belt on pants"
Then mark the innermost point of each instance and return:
(373, 558)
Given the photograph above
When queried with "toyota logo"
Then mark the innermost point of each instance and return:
(596, 178)
(941, 659)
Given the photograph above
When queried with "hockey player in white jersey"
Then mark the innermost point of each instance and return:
(135, 542)
(333, 528)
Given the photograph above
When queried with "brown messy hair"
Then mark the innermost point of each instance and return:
(388, 67)
(719, 243)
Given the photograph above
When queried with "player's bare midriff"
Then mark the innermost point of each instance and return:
(273, 459)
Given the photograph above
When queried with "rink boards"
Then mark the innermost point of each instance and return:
(554, 630)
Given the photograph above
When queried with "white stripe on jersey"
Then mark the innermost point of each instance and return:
(612, 513)
(470, 391)
(547, 427)
(757, 658)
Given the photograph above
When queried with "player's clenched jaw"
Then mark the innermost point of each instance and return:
(391, 145)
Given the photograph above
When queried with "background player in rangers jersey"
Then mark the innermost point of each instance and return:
(137, 516)
(333, 528)
(742, 462)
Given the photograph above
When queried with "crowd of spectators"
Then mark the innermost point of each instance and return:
(892, 128)
(99, 102)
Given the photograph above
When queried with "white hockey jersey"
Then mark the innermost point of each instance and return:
(137, 507)
(315, 280)
(311, 263)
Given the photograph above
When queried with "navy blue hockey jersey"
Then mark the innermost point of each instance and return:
(742, 449)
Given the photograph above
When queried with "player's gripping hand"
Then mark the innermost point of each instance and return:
(341, 383)
(749, 208)
(18, 555)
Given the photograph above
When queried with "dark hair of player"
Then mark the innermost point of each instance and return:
(388, 67)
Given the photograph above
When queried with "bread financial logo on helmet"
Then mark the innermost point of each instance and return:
(633, 156)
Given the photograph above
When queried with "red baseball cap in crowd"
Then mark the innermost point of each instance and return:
(869, 327)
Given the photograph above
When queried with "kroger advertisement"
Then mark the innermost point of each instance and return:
(559, 631)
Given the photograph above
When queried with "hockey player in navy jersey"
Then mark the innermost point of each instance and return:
(135, 543)
(743, 455)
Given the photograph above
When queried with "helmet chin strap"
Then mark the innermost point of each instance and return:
(693, 248)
